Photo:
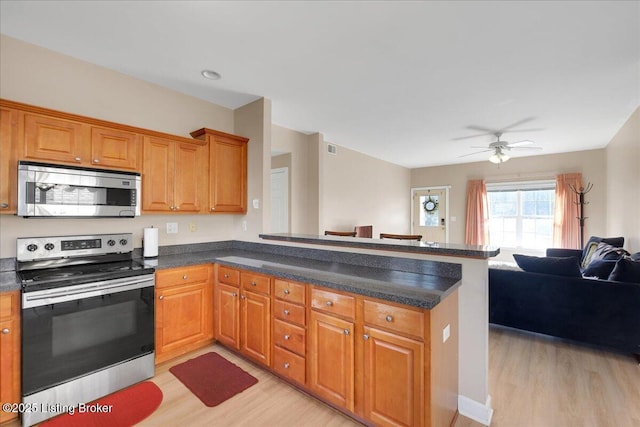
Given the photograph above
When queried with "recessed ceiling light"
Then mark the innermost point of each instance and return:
(211, 75)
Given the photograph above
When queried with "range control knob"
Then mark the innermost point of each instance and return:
(49, 246)
(111, 242)
(123, 242)
(32, 247)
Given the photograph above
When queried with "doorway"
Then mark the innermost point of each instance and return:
(280, 200)
(429, 213)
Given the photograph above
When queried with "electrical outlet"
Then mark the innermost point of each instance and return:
(172, 228)
(244, 225)
(446, 333)
(192, 227)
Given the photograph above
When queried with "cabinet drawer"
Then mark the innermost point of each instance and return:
(289, 365)
(228, 275)
(289, 312)
(398, 319)
(334, 303)
(290, 291)
(255, 282)
(289, 336)
(182, 275)
(9, 304)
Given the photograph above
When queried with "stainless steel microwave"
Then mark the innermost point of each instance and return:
(47, 190)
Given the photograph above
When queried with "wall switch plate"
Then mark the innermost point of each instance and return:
(446, 333)
(244, 225)
(192, 227)
(453, 219)
(256, 203)
(172, 228)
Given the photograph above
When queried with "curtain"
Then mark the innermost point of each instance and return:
(477, 225)
(566, 227)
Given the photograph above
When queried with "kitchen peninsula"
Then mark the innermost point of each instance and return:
(390, 306)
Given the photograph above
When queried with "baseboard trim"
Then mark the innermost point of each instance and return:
(477, 411)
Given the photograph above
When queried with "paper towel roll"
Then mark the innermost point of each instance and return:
(150, 242)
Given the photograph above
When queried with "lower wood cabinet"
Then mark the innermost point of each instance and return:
(9, 351)
(184, 310)
(331, 359)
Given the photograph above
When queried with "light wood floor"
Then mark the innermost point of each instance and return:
(534, 381)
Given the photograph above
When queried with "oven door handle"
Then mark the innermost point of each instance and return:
(72, 293)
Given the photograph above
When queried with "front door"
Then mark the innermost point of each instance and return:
(430, 214)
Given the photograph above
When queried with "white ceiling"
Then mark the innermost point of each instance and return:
(401, 81)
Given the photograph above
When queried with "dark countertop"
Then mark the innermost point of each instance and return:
(411, 288)
(413, 246)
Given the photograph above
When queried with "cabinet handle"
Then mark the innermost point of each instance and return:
(329, 303)
(286, 312)
(213, 209)
(234, 294)
(286, 291)
(346, 332)
(253, 283)
(226, 276)
(366, 336)
(389, 318)
(161, 297)
(177, 207)
(96, 161)
(286, 337)
(286, 365)
(77, 159)
(184, 277)
(5, 331)
(243, 296)
(4, 205)
(172, 208)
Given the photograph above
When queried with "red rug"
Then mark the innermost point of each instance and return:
(123, 408)
(212, 378)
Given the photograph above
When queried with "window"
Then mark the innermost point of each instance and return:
(521, 214)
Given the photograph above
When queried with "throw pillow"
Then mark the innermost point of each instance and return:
(606, 251)
(617, 242)
(600, 268)
(626, 270)
(559, 266)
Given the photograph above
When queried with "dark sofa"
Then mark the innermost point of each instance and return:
(593, 311)
(601, 312)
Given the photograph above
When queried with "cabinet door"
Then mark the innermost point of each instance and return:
(228, 184)
(57, 140)
(10, 352)
(393, 375)
(255, 327)
(157, 175)
(227, 322)
(191, 171)
(8, 160)
(183, 316)
(112, 148)
(331, 359)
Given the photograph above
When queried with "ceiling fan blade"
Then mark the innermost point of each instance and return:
(525, 130)
(519, 143)
(482, 146)
(518, 123)
(469, 137)
(525, 148)
(483, 129)
(477, 152)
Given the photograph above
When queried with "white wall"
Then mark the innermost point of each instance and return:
(40, 77)
(623, 184)
(361, 190)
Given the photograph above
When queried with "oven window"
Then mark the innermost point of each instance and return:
(79, 330)
(67, 340)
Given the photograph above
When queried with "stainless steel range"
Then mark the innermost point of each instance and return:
(87, 321)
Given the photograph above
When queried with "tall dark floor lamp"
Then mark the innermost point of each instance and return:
(580, 192)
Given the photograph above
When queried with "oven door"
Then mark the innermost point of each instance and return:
(70, 332)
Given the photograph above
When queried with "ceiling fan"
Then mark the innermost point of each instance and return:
(501, 148)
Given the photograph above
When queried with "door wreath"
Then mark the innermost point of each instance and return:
(430, 205)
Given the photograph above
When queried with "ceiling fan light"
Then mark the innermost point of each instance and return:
(498, 158)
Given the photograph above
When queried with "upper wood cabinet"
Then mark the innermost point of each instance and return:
(174, 177)
(228, 170)
(65, 141)
(8, 160)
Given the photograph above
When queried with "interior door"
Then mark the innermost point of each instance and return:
(430, 214)
(280, 200)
